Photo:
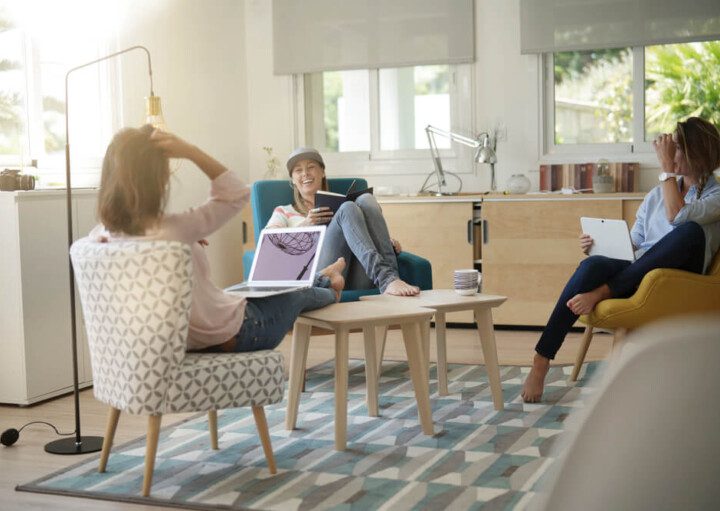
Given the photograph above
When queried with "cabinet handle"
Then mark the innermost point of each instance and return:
(470, 231)
(485, 232)
(244, 233)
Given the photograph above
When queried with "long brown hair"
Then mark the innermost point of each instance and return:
(700, 142)
(133, 186)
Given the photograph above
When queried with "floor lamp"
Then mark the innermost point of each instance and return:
(85, 444)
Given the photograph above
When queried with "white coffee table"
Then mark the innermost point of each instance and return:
(443, 301)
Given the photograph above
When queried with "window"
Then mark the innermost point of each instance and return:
(382, 114)
(618, 100)
(35, 53)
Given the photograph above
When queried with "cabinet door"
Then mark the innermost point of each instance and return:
(530, 249)
(45, 295)
(439, 233)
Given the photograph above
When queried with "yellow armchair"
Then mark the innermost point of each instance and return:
(662, 293)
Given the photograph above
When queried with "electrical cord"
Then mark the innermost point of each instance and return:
(11, 435)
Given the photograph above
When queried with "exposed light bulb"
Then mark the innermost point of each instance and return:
(153, 113)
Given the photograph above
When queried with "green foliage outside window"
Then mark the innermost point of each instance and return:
(681, 80)
(11, 124)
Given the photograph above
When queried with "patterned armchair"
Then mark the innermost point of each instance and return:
(136, 299)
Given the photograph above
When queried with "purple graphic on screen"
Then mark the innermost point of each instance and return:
(286, 256)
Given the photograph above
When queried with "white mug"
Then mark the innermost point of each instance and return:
(467, 282)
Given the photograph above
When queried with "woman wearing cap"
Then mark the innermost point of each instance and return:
(677, 226)
(357, 232)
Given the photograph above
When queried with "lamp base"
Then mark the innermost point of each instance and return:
(87, 445)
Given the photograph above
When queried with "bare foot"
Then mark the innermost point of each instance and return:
(584, 303)
(334, 273)
(535, 381)
(401, 288)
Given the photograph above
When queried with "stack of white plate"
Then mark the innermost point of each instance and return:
(466, 282)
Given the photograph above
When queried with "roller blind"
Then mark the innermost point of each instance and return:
(325, 35)
(564, 25)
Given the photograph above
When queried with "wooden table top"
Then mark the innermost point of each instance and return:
(445, 300)
(358, 314)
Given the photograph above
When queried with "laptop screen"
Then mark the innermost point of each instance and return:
(287, 255)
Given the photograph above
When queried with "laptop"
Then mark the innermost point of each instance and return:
(285, 261)
(611, 237)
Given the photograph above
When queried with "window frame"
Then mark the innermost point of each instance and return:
(50, 168)
(641, 150)
(401, 161)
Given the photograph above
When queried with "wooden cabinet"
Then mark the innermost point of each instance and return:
(529, 244)
(34, 303)
(441, 232)
(530, 250)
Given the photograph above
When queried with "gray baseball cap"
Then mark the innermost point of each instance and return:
(304, 153)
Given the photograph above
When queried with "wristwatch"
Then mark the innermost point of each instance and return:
(666, 175)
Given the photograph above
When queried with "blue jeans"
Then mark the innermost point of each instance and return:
(683, 248)
(268, 319)
(358, 233)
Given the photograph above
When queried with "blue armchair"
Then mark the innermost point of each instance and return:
(267, 195)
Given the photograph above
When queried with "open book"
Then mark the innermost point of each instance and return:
(334, 200)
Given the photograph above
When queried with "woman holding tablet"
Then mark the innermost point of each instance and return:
(677, 226)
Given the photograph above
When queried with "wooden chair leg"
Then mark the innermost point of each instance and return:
(582, 352)
(153, 434)
(212, 427)
(112, 422)
(264, 433)
(618, 337)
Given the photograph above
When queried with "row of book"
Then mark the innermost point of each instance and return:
(579, 176)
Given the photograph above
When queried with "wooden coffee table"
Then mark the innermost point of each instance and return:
(443, 301)
(368, 316)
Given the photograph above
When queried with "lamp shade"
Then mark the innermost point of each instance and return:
(153, 112)
(485, 153)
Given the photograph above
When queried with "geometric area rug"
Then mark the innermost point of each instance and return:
(477, 459)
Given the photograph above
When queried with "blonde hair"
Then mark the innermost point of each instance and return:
(700, 143)
(134, 182)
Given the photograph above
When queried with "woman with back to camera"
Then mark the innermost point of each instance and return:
(677, 226)
(131, 205)
(357, 232)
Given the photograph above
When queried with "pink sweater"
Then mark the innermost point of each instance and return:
(215, 316)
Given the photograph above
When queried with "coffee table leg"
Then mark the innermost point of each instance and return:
(380, 338)
(371, 375)
(298, 356)
(341, 388)
(441, 353)
(486, 332)
(413, 346)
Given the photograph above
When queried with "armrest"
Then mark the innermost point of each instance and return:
(247, 260)
(415, 270)
(663, 292)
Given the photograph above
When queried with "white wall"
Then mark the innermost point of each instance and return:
(506, 92)
(199, 70)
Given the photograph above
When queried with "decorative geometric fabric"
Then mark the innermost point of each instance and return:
(478, 458)
(136, 298)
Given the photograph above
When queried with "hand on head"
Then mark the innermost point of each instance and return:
(665, 146)
(172, 145)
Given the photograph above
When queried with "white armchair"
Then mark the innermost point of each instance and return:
(136, 299)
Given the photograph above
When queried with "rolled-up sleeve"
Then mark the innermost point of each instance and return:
(637, 233)
(703, 211)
